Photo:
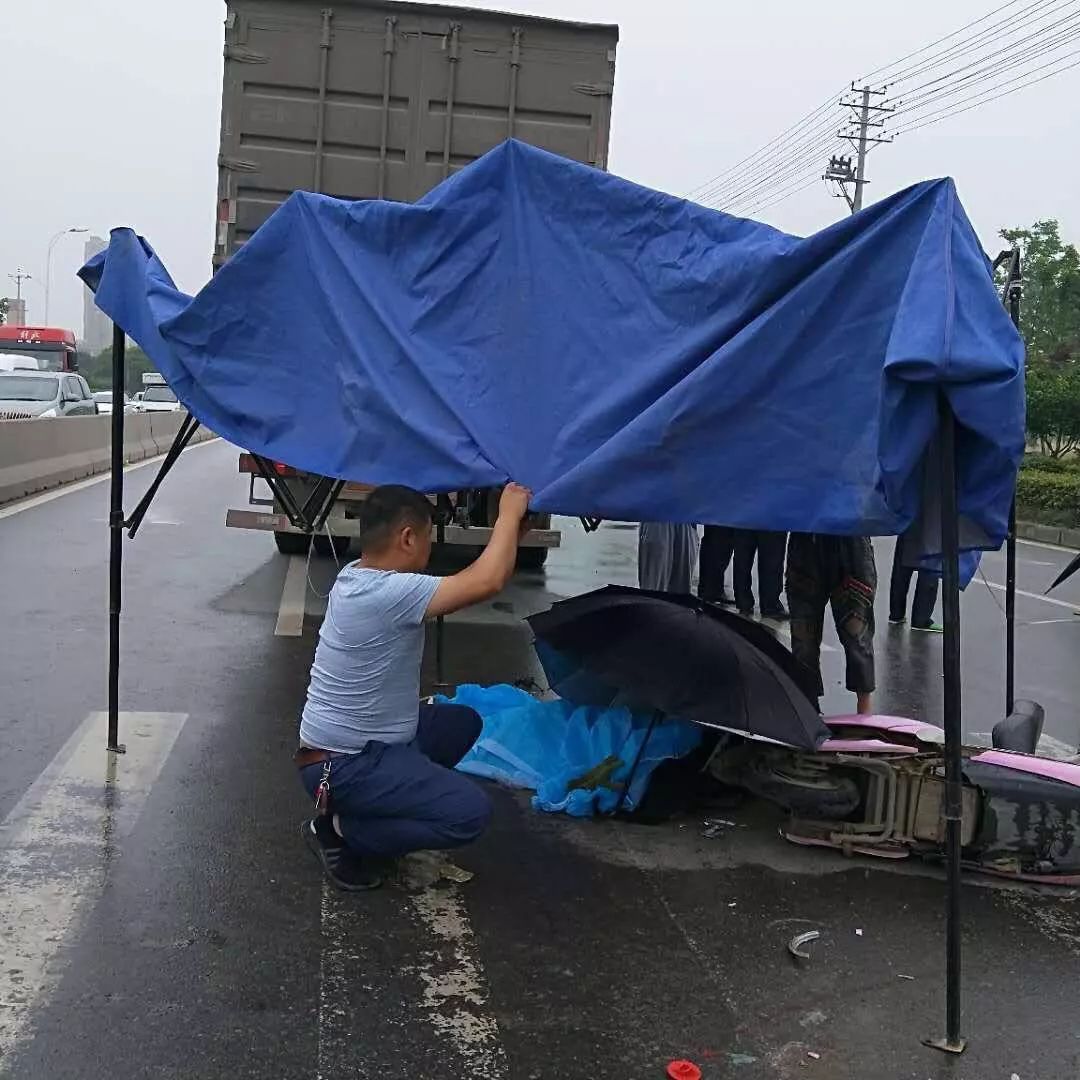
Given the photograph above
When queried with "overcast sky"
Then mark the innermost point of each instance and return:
(111, 113)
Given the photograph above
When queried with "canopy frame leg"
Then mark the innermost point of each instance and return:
(1013, 289)
(179, 444)
(952, 1042)
(116, 539)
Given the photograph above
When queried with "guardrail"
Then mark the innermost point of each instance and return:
(36, 455)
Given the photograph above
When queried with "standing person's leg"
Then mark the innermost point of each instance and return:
(745, 549)
(807, 598)
(654, 556)
(717, 549)
(899, 584)
(772, 547)
(922, 610)
(852, 600)
(684, 544)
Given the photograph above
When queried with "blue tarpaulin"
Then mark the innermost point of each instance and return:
(625, 353)
(576, 758)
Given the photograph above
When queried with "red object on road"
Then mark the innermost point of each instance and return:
(683, 1070)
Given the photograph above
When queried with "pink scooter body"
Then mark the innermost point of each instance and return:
(899, 735)
(1022, 812)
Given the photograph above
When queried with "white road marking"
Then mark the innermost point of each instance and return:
(290, 619)
(56, 847)
(454, 990)
(1051, 622)
(1070, 604)
(82, 485)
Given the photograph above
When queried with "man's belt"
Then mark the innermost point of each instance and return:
(308, 755)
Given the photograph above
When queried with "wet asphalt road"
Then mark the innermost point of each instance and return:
(179, 929)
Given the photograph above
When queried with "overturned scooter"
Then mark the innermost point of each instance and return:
(876, 787)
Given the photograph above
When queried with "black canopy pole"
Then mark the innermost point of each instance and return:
(1010, 611)
(440, 622)
(950, 545)
(1012, 294)
(116, 537)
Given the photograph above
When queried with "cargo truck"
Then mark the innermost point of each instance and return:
(368, 100)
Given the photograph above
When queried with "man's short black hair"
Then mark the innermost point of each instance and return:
(389, 508)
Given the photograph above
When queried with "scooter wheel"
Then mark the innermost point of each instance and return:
(831, 799)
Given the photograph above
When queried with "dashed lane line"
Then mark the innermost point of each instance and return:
(290, 619)
(56, 849)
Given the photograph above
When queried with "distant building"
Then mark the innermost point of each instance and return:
(16, 312)
(97, 329)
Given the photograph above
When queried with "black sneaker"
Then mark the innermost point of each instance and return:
(778, 613)
(348, 872)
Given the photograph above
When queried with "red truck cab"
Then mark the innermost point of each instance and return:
(47, 348)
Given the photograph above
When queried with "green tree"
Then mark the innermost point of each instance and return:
(1050, 308)
(3, 309)
(97, 369)
(1053, 407)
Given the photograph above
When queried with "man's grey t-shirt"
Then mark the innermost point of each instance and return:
(365, 681)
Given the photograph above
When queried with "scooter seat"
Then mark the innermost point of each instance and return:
(1021, 729)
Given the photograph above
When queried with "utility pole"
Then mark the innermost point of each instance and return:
(840, 169)
(19, 277)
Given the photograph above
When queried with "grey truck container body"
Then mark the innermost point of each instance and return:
(384, 100)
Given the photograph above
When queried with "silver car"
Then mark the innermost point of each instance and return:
(28, 395)
(104, 400)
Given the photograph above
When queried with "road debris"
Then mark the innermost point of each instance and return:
(858, 932)
(714, 827)
(683, 1070)
(795, 945)
(910, 978)
(812, 1054)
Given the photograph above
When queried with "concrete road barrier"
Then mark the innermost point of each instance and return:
(36, 455)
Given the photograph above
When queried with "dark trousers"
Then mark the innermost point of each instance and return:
(770, 548)
(399, 797)
(835, 571)
(717, 549)
(926, 590)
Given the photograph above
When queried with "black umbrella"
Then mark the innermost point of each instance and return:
(681, 657)
(1067, 573)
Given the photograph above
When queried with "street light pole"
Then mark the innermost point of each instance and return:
(48, 262)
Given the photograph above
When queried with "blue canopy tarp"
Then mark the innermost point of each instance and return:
(624, 353)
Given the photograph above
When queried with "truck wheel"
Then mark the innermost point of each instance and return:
(332, 547)
(531, 558)
(289, 543)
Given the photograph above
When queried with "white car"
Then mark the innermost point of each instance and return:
(159, 399)
(104, 400)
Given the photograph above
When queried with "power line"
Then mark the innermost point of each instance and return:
(752, 185)
(769, 149)
(891, 73)
(991, 36)
(971, 58)
(774, 170)
(926, 121)
(1032, 51)
(918, 104)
